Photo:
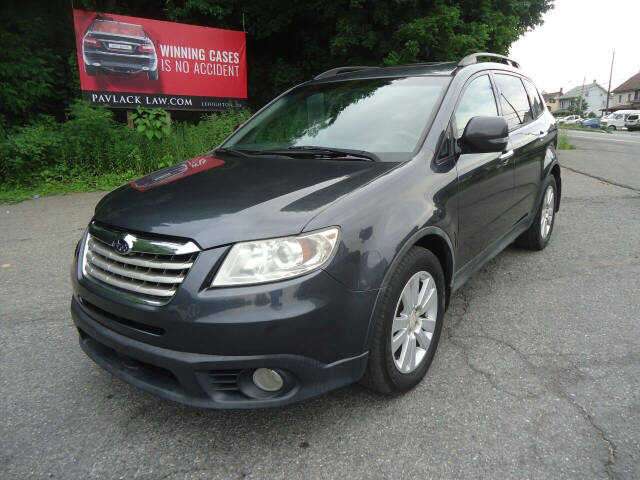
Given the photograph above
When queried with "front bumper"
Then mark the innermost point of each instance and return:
(202, 347)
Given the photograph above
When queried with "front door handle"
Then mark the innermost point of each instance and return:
(506, 155)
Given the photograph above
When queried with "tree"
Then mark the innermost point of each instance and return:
(35, 47)
(290, 41)
(578, 106)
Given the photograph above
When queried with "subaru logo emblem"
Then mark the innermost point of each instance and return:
(121, 246)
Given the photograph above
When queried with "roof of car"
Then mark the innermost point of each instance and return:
(471, 62)
(362, 72)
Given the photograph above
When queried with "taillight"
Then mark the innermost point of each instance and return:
(92, 42)
(147, 47)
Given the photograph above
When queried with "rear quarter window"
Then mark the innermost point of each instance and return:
(534, 98)
(513, 100)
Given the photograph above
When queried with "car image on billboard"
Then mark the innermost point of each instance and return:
(112, 47)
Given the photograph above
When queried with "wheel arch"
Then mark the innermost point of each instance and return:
(555, 171)
(551, 167)
(438, 242)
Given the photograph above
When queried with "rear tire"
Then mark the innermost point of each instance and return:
(404, 329)
(613, 127)
(539, 233)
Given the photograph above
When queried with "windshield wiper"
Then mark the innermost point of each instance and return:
(337, 152)
(320, 152)
(233, 151)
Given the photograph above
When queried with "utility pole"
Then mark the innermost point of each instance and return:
(606, 110)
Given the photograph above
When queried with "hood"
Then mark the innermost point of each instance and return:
(226, 199)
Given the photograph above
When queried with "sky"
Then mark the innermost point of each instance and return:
(577, 40)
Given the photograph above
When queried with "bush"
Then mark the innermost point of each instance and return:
(91, 143)
(563, 142)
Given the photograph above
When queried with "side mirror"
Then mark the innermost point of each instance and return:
(485, 135)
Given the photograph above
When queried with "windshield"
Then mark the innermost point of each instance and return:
(385, 116)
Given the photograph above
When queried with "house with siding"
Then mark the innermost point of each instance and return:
(593, 94)
(627, 95)
(552, 100)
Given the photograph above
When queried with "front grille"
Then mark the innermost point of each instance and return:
(152, 277)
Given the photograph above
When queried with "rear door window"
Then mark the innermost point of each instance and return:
(477, 100)
(513, 100)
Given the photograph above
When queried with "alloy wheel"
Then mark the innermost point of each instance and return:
(546, 216)
(414, 322)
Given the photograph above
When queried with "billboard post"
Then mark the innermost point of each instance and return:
(126, 62)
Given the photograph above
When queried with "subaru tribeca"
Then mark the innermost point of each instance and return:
(319, 244)
(118, 47)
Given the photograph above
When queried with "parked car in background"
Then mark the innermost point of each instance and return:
(632, 122)
(591, 123)
(117, 47)
(570, 120)
(616, 120)
(320, 244)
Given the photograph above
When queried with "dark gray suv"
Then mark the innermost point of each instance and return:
(321, 242)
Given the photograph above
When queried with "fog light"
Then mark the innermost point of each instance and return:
(267, 380)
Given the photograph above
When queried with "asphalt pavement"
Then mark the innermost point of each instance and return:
(537, 374)
(614, 157)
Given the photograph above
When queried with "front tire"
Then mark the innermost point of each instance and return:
(539, 233)
(408, 322)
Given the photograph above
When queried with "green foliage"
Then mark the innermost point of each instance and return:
(289, 42)
(91, 144)
(36, 40)
(563, 142)
(592, 115)
(578, 106)
(151, 122)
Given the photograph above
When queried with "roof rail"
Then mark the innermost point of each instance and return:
(336, 71)
(473, 58)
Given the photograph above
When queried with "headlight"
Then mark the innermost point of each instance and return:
(276, 259)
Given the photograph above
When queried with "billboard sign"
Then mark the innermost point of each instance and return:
(127, 61)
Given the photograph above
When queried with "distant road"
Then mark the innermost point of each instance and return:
(611, 157)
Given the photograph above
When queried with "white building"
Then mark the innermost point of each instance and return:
(594, 95)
